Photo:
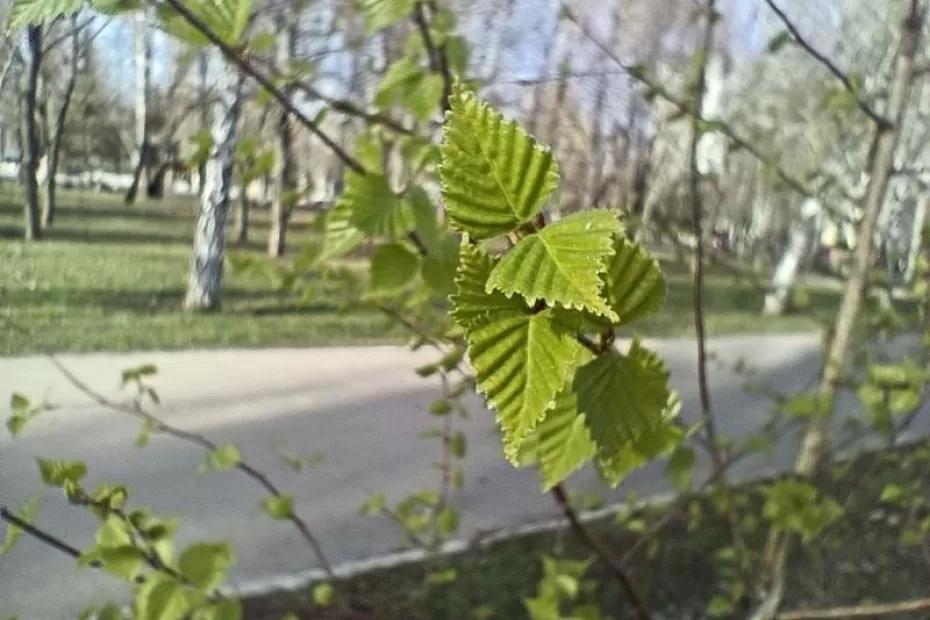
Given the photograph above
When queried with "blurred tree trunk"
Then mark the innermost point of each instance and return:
(285, 177)
(203, 69)
(29, 130)
(143, 63)
(206, 274)
(801, 239)
(241, 232)
(58, 131)
(590, 187)
(917, 234)
(815, 444)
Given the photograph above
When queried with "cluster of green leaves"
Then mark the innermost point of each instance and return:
(138, 547)
(540, 318)
(796, 506)
(891, 391)
(563, 592)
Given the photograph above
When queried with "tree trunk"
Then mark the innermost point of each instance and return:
(58, 131)
(143, 62)
(917, 233)
(203, 67)
(242, 218)
(285, 178)
(206, 274)
(800, 242)
(29, 132)
(814, 445)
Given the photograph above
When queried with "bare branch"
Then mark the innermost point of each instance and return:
(604, 554)
(844, 79)
(859, 611)
(438, 59)
(159, 426)
(243, 64)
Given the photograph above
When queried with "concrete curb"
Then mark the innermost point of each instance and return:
(482, 539)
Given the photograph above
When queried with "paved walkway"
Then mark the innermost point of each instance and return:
(361, 407)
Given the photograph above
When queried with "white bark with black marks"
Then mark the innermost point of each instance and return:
(801, 240)
(206, 274)
(143, 63)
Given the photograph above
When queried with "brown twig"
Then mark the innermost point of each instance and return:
(640, 610)
(859, 611)
(844, 79)
(158, 426)
(246, 67)
(49, 539)
(438, 59)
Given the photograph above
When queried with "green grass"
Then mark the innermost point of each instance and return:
(111, 277)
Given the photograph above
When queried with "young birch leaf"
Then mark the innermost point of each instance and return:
(624, 400)
(522, 362)
(635, 286)
(393, 268)
(335, 235)
(27, 513)
(494, 176)
(563, 442)
(160, 598)
(376, 209)
(224, 458)
(471, 305)
(279, 507)
(383, 13)
(204, 565)
(561, 264)
(26, 12)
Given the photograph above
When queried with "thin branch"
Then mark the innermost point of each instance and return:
(844, 79)
(243, 64)
(438, 59)
(683, 106)
(350, 109)
(604, 554)
(158, 426)
(49, 539)
(76, 29)
(859, 611)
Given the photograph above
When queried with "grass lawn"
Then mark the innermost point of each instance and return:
(111, 277)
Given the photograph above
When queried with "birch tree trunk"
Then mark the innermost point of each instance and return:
(58, 131)
(206, 274)
(29, 130)
(203, 68)
(917, 233)
(285, 177)
(800, 242)
(143, 63)
(814, 445)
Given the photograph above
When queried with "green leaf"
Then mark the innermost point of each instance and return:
(20, 404)
(160, 598)
(426, 219)
(795, 506)
(226, 18)
(125, 561)
(680, 467)
(323, 594)
(440, 265)
(561, 264)
(224, 458)
(443, 577)
(634, 284)
(440, 407)
(28, 513)
(447, 521)
(625, 401)
(138, 372)
(458, 444)
(373, 506)
(494, 176)
(224, 609)
(383, 13)
(335, 235)
(408, 84)
(204, 565)
(279, 506)
(471, 304)
(522, 361)
(393, 268)
(376, 209)
(563, 441)
(57, 473)
(27, 12)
